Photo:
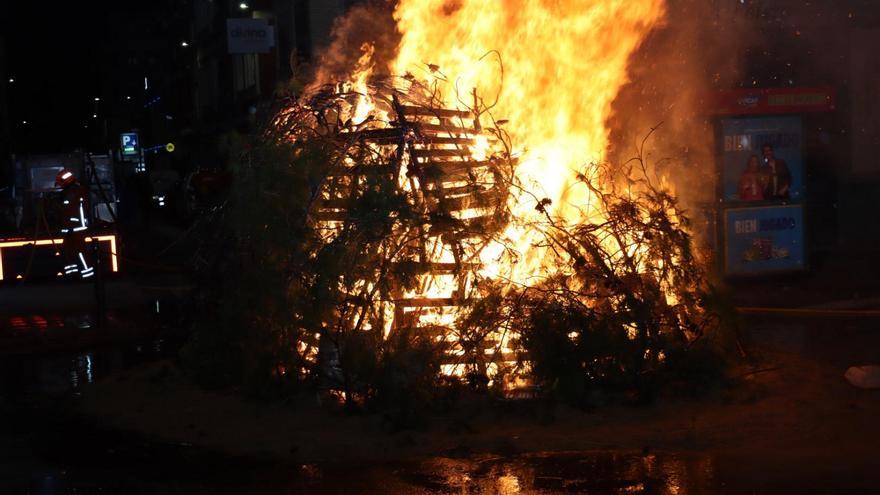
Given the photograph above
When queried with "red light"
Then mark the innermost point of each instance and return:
(40, 322)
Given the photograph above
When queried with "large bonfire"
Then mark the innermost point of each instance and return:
(469, 171)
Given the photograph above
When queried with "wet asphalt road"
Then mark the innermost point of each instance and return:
(45, 451)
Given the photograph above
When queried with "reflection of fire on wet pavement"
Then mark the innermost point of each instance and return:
(24, 323)
(58, 373)
(42, 333)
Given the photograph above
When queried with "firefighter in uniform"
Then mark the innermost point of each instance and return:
(75, 224)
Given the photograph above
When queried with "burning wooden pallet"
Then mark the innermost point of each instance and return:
(442, 158)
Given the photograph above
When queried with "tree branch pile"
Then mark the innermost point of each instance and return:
(355, 242)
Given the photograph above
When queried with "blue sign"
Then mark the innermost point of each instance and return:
(764, 239)
(762, 159)
(129, 143)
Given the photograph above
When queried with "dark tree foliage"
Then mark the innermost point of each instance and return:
(252, 248)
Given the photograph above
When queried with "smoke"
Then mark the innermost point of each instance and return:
(370, 24)
(672, 78)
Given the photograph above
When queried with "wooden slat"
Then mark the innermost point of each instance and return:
(447, 140)
(462, 229)
(391, 132)
(436, 112)
(441, 268)
(426, 302)
(389, 136)
(393, 135)
(429, 128)
(459, 190)
(477, 200)
(435, 153)
(392, 138)
(385, 141)
(441, 170)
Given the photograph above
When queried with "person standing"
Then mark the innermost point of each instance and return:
(75, 224)
(778, 175)
(753, 182)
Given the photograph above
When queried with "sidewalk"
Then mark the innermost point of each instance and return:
(850, 282)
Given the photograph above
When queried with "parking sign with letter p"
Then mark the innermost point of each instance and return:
(129, 143)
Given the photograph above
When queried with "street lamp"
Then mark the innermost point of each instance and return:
(243, 6)
(11, 80)
(97, 99)
(184, 44)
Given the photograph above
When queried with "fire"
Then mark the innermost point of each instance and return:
(546, 72)
(554, 67)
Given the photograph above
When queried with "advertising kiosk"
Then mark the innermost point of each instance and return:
(760, 215)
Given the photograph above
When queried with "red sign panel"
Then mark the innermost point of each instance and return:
(774, 101)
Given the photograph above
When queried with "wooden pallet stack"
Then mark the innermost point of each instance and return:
(432, 153)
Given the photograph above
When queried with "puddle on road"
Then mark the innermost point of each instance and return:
(591, 473)
(600, 473)
(58, 375)
(56, 354)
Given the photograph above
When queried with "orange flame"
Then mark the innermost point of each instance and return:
(555, 67)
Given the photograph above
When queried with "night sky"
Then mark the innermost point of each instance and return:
(51, 56)
(60, 55)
